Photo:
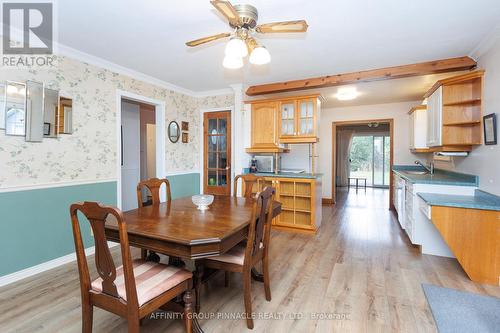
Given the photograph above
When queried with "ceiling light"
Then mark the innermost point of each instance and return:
(236, 47)
(232, 62)
(260, 56)
(346, 94)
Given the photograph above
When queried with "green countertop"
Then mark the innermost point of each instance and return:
(480, 200)
(440, 177)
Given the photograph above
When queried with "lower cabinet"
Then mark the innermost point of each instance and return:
(301, 202)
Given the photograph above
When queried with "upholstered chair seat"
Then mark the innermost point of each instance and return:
(151, 279)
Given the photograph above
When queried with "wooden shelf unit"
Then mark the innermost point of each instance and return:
(301, 202)
(460, 110)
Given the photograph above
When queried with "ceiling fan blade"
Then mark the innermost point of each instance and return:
(287, 26)
(203, 40)
(226, 9)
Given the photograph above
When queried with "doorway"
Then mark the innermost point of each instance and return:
(362, 149)
(369, 158)
(140, 145)
(138, 162)
(217, 153)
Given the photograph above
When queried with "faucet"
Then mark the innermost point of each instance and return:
(430, 168)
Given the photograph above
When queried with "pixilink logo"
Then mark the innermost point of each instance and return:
(28, 34)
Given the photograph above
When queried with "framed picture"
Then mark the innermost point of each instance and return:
(185, 137)
(46, 128)
(490, 129)
(185, 126)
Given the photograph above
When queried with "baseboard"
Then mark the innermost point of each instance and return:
(43, 267)
(327, 201)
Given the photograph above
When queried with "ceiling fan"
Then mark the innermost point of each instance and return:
(243, 19)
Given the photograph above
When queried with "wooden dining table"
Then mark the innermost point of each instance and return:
(179, 229)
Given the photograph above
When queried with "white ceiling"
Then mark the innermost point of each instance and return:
(148, 36)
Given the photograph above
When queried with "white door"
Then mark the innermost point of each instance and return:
(131, 156)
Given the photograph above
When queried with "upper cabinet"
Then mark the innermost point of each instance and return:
(298, 120)
(418, 129)
(264, 136)
(284, 120)
(454, 113)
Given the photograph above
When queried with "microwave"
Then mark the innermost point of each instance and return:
(267, 163)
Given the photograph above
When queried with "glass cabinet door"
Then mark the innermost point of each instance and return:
(288, 118)
(306, 117)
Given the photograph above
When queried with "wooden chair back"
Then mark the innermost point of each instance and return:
(260, 226)
(154, 186)
(248, 181)
(97, 215)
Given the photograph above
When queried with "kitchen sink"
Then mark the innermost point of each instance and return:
(412, 172)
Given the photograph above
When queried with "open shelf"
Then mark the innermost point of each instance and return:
(464, 123)
(465, 102)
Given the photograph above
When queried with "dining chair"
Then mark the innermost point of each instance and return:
(154, 187)
(248, 181)
(132, 290)
(243, 257)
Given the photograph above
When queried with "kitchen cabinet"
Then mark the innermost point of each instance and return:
(418, 128)
(301, 202)
(416, 222)
(280, 121)
(298, 119)
(264, 136)
(454, 113)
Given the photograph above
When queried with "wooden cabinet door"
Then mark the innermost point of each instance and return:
(287, 126)
(306, 117)
(264, 125)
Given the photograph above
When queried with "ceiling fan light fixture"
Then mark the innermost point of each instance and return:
(260, 56)
(230, 62)
(236, 48)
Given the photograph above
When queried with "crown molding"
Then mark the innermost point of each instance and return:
(70, 52)
(486, 43)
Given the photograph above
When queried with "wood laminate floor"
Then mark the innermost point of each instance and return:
(358, 274)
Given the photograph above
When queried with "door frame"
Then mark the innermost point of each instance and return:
(335, 124)
(201, 143)
(160, 138)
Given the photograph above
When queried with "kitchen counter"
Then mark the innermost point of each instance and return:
(290, 175)
(480, 200)
(440, 177)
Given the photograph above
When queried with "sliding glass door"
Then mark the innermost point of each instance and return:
(370, 159)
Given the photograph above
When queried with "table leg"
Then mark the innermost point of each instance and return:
(365, 185)
(357, 183)
(198, 274)
(348, 184)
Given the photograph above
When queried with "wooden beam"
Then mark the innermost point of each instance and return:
(396, 72)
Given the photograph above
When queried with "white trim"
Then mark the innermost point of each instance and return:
(43, 267)
(201, 138)
(105, 64)
(160, 138)
(54, 185)
(486, 43)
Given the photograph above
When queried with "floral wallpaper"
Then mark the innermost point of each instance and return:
(90, 152)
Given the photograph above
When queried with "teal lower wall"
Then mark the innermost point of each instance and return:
(184, 185)
(35, 226)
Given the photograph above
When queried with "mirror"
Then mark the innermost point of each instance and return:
(2, 105)
(15, 112)
(50, 114)
(173, 131)
(34, 111)
(65, 122)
